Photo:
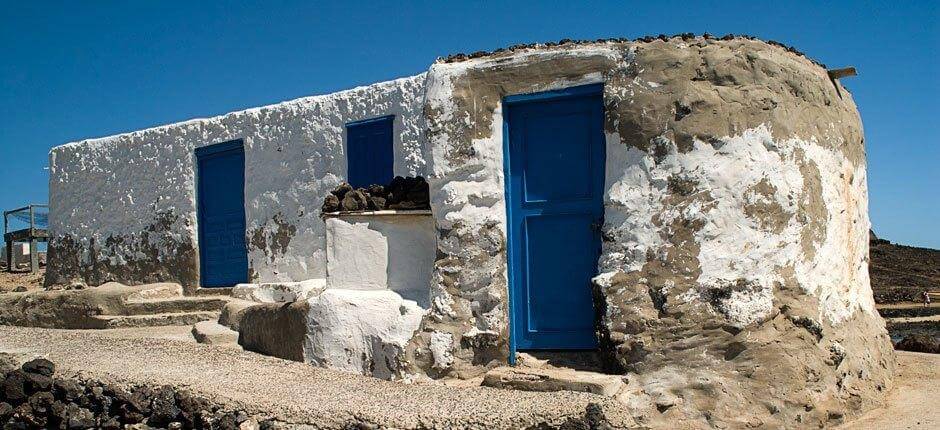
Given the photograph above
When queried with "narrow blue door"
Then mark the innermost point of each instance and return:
(555, 180)
(369, 152)
(223, 257)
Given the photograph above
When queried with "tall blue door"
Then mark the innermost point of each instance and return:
(555, 181)
(223, 256)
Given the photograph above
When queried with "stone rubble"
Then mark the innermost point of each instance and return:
(411, 193)
(34, 397)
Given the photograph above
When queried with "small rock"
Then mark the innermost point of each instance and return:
(80, 418)
(14, 386)
(5, 410)
(37, 382)
(341, 190)
(58, 413)
(40, 366)
(110, 423)
(330, 204)
(41, 402)
(20, 289)
(376, 203)
(163, 409)
(68, 389)
(354, 201)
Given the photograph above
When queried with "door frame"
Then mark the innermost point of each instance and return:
(515, 100)
(208, 151)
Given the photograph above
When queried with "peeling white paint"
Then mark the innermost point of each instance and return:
(733, 246)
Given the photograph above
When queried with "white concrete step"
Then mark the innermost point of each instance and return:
(154, 320)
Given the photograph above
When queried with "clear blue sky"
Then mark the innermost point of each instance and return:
(72, 70)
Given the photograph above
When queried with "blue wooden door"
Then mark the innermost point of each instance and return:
(555, 180)
(369, 152)
(223, 256)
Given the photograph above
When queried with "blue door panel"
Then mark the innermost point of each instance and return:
(566, 152)
(369, 154)
(555, 179)
(223, 254)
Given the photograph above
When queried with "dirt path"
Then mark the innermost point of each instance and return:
(912, 403)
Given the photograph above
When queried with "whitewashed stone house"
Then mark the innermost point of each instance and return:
(693, 209)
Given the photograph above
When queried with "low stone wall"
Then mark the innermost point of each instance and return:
(33, 396)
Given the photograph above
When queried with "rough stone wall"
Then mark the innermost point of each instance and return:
(123, 207)
(733, 279)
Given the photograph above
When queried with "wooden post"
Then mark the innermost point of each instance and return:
(33, 256)
(10, 256)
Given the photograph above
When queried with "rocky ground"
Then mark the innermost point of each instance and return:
(902, 273)
(21, 280)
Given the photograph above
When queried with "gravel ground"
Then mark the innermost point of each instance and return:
(293, 392)
(298, 393)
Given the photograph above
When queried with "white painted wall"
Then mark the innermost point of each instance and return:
(294, 155)
(395, 252)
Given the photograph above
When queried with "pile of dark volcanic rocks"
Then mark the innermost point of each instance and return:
(919, 343)
(32, 397)
(410, 193)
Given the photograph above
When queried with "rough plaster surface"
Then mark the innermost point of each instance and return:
(357, 256)
(396, 252)
(123, 207)
(360, 331)
(279, 292)
(733, 280)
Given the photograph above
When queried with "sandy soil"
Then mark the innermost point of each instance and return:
(912, 403)
(11, 280)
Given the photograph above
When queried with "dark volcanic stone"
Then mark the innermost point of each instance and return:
(376, 190)
(919, 343)
(163, 410)
(354, 201)
(110, 423)
(67, 389)
(376, 203)
(190, 407)
(58, 414)
(330, 204)
(37, 382)
(342, 189)
(41, 402)
(14, 387)
(80, 418)
(40, 366)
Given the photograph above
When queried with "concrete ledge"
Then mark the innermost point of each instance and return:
(554, 379)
